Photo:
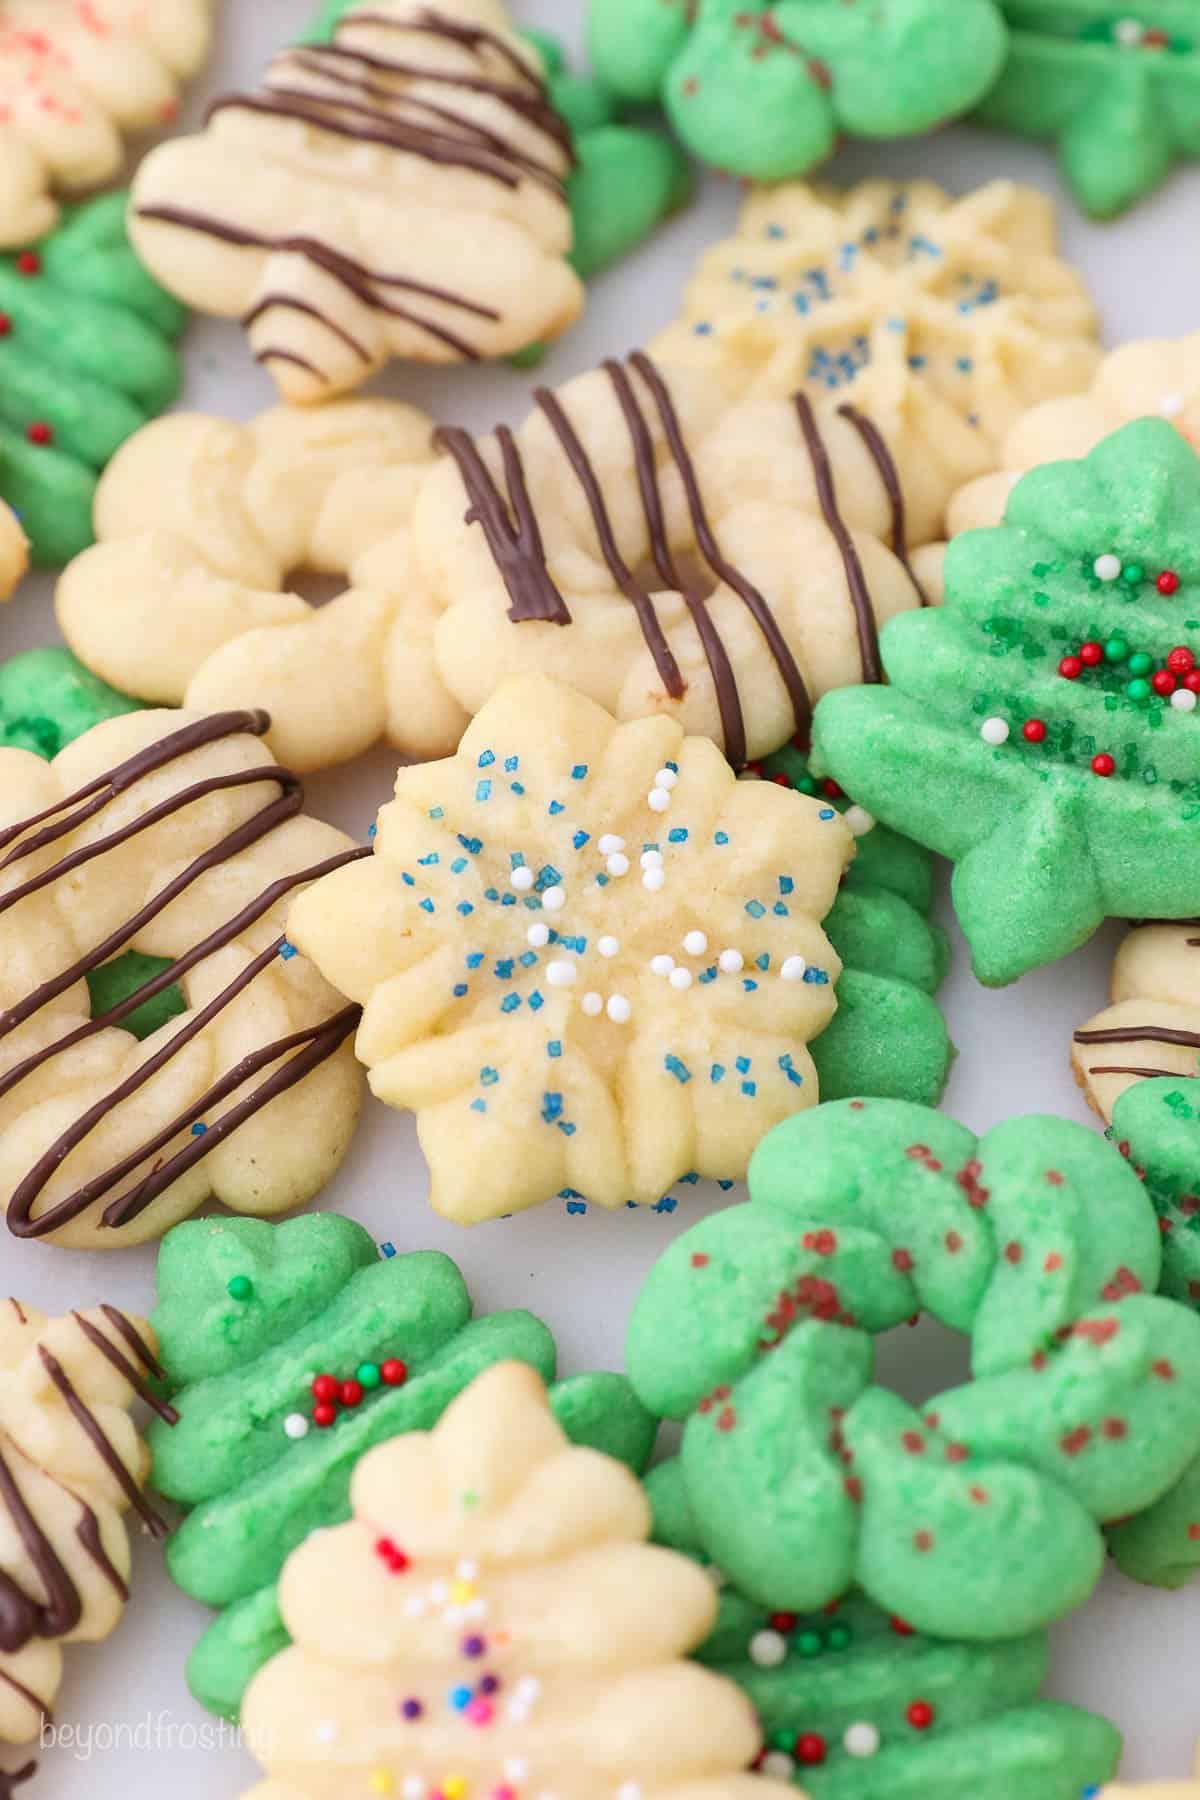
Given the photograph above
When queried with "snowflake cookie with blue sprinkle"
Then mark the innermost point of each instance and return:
(589, 957)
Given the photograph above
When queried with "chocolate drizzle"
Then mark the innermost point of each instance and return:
(1141, 1034)
(856, 581)
(313, 1045)
(889, 475)
(9, 1783)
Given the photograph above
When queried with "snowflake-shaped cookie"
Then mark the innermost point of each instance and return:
(73, 78)
(941, 318)
(590, 958)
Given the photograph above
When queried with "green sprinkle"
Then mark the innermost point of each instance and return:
(839, 1636)
(1140, 663)
(240, 1288)
(782, 1740)
(367, 1375)
(810, 1643)
(1133, 573)
(1116, 650)
(1138, 690)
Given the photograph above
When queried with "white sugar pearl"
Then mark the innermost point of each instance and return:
(661, 965)
(1171, 405)
(731, 962)
(859, 820)
(296, 1425)
(610, 844)
(695, 943)
(793, 968)
(1183, 700)
(995, 731)
(658, 800)
(619, 1009)
(666, 778)
(561, 974)
(593, 1005)
(1107, 568)
(1128, 33)
(554, 899)
(778, 1764)
(529, 1688)
(538, 936)
(654, 879)
(651, 859)
(767, 1649)
(608, 946)
(861, 1739)
(681, 979)
(522, 879)
(618, 864)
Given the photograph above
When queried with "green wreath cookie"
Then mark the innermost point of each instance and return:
(979, 1519)
(86, 359)
(888, 1036)
(1118, 87)
(763, 88)
(291, 1350)
(859, 1706)
(48, 699)
(1040, 728)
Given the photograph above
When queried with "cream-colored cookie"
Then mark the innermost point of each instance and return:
(493, 1621)
(175, 835)
(941, 318)
(1153, 377)
(589, 956)
(202, 523)
(14, 552)
(724, 564)
(73, 79)
(71, 1464)
(397, 192)
(1153, 1025)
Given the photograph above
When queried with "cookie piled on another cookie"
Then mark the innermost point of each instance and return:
(406, 199)
(588, 956)
(491, 1617)
(71, 1465)
(48, 699)
(176, 837)
(1153, 1026)
(14, 549)
(73, 80)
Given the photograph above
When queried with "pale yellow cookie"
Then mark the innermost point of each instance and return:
(1153, 1025)
(493, 1548)
(398, 192)
(73, 79)
(175, 835)
(14, 552)
(941, 318)
(1153, 377)
(589, 956)
(202, 524)
(71, 1464)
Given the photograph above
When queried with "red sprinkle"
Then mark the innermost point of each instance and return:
(1181, 661)
(1091, 654)
(29, 263)
(1163, 682)
(1034, 730)
(325, 1389)
(784, 1622)
(900, 1626)
(832, 789)
(1104, 764)
(920, 1715)
(1071, 667)
(1168, 582)
(40, 433)
(5, 324)
(352, 1393)
(324, 1417)
(810, 1748)
(394, 1372)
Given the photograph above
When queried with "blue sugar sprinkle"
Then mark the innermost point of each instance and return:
(516, 860)
(554, 1047)
(548, 877)
(581, 838)
(487, 759)
(827, 812)
(750, 1089)
(407, 879)
(762, 962)
(510, 1003)
(703, 329)
(492, 894)
(602, 881)
(716, 1073)
(536, 1001)
(427, 905)
(755, 908)
(750, 987)
(793, 1074)
(511, 764)
(721, 838)
(471, 844)
(372, 833)
(528, 959)
(460, 1698)
(489, 1076)
(287, 951)
(465, 908)
(678, 836)
(458, 865)
(724, 1186)
(483, 790)
(689, 1180)
(786, 885)
(199, 1130)
(552, 1105)
(430, 861)
(666, 1205)
(555, 807)
(517, 788)
(387, 1251)
(579, 772)
(569, 1194)
(776, 231)
(816, 977)
(742, 1065)
(709, 974)
(508, 899)
(437, 812)
(461, 990)
(678, 1069)
(578, 944)
(780, 910)
(673, 766)
(566, 1127)
(504, 969)
(576, 1206)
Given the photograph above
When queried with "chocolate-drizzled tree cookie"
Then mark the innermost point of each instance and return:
(71, 1465)
(980, 1517)
(291, 1351)
(1038, 728)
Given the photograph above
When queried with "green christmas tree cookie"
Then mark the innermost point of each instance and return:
(978, 1518)
(763, 89)
(888, 1036)
(1117, 87)
(857, 1705)
(291, 1350)
(86, 359)
(1039, 728)
(48, 699)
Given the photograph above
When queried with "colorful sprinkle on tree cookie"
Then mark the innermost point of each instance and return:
(588, 955)
(1046, 710)
(978, 1517)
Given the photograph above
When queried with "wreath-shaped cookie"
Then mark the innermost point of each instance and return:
(980, 1518)
(659, 547)
(175, 836)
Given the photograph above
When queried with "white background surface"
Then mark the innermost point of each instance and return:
(1133, 1652)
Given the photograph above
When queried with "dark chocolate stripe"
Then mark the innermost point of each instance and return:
(276, 353)
(86, 1419)
(10, 1782)
(32, 1700)
(288, 303)
(88, 1533)
(125, 1369)
(889, 475)
(22, 1619)
(1132, 1069)
(856, 581)
(137, 1343)
(517, 551)
(1138, 1034)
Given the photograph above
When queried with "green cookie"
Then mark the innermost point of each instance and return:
(978, 1519)
(48, 699)
(1117, 87)
(859, 1706)
(251, 1317)
(763, 89)
(86, 359)
(1023, 734)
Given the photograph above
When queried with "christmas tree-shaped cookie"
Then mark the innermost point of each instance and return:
(859, 1706)
(86, 359)
(492, 1620)
(1117, 86)
(1039, 728)
(888, 1036)
(295, 1349)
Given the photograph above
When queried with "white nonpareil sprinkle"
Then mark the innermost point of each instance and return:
(767, 1649)
(778, 1764)
(554, 899)
(529, 1688)
(681, 979)
(859, 820)
(326, 1732)
(516, 1769)
(619, 1009)
(562, 974)
(658, 799)
(593, 1005)
(651, 859)
(538, 936)
(522, 879)
(654, 879)
(609, 845)
(1107, 567)
(731, 962)
(1171, 405)
(618, 864)
(793, 968)
(414, 1788)
(995, 732)
(296, 1425)
(661, 965)
(861, 1739)
(1128, 33)
(695, 943)
(1183, 700)
(608, 946)
(666, 778)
